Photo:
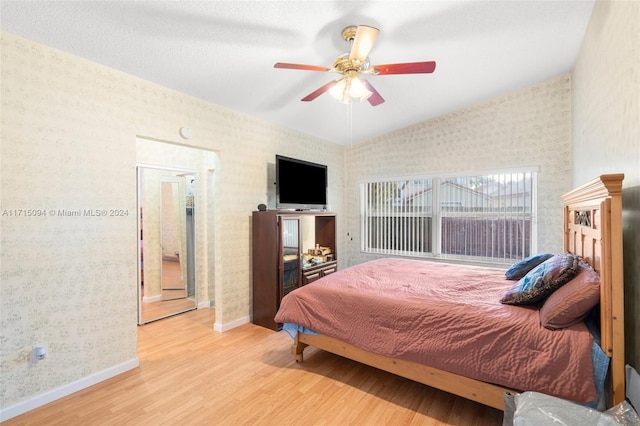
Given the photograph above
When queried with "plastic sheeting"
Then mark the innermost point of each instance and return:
(536, 409)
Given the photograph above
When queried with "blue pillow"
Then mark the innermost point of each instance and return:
(521, 268)
(543, 280)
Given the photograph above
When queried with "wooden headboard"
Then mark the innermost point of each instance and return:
(593, 230)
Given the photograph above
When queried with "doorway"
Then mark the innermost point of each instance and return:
(185, 178)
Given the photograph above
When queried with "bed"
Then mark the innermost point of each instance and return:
(499, 359)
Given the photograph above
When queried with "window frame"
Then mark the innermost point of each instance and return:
(437, 214)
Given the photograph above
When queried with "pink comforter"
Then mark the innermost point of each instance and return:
(449, 317)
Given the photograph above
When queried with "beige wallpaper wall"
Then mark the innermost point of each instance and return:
(606, 129)
(530, 127)
(68, 134)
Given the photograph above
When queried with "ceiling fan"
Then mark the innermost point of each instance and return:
(361, 39)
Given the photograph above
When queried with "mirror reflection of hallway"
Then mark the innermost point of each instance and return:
(167, 284)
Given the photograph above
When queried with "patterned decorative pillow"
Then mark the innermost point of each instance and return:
(521, 268)
(572, 302)
(543, 280)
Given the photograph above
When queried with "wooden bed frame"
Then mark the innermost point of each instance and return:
(592, 230)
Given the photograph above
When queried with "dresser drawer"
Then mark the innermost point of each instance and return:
(314, 273)
(310, 277)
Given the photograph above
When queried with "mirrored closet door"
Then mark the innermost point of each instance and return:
(166, 242)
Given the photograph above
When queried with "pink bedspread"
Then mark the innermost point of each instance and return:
(449, 317)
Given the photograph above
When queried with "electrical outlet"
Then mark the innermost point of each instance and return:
(38, 352)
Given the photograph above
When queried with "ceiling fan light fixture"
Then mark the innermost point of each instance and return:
(338, 91)
(350, 87)
(359, 90)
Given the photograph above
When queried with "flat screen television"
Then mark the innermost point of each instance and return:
(300, 185)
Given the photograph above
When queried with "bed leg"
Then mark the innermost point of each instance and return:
(297, 349)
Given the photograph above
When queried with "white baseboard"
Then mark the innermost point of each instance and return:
(64, 390)
(206, 304)
(233, 324)
(152, 299)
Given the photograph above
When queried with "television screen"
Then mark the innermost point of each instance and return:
(300, 184)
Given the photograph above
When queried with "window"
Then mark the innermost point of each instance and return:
(484, 217)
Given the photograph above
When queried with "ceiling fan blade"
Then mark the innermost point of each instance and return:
(311, 96)
(300, 67)
(375, 98)
(363, 42)
(405, 68)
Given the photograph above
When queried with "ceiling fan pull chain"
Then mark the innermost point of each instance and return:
(350, 122)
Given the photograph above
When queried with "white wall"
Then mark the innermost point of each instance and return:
(606, 131)
(68, 132)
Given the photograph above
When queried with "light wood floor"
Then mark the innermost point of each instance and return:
(190, 374)
(174, 295)
(163, 308)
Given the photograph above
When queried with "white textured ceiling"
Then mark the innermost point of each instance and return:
(224, 51)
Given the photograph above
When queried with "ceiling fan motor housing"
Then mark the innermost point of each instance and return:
(349, 33)
(342, 64)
